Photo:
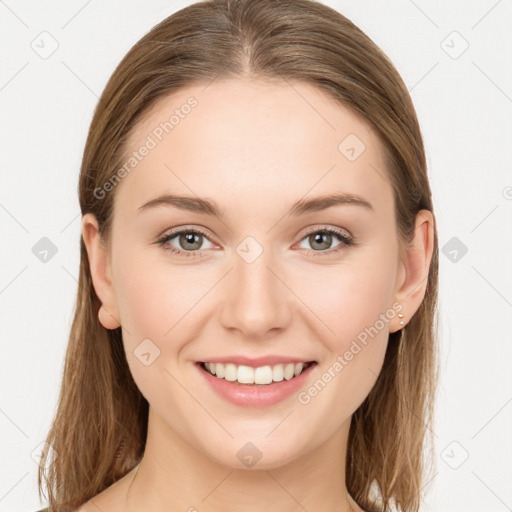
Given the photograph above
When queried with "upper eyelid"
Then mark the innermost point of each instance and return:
(205, 232)
(326, 228)
(201, 230)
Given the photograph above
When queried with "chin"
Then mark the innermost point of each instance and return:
(258, 453)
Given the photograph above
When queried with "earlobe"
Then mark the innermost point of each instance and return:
(97, 254)
(107, 319)
(413, 280)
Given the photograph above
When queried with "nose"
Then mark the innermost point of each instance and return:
(257, 300)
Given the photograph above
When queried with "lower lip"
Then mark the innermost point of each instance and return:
(255, 395)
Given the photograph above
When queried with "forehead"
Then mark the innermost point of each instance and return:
(253, 140)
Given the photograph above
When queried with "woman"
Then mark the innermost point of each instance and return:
(254, 326)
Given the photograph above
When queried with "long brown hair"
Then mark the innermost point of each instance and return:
(99, 430)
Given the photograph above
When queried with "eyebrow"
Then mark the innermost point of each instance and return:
(209, 207)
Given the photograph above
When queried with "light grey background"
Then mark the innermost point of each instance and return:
(463, 98)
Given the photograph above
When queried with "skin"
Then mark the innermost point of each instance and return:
(255, 148)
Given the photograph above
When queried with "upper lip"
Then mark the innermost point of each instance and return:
(257, 361)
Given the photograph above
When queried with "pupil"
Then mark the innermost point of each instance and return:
(319, 237)
(191, 238)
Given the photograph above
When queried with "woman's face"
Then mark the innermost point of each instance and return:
(260, 277)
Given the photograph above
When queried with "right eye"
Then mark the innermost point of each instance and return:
(190, 241)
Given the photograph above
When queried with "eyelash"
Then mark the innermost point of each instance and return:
(346, 240)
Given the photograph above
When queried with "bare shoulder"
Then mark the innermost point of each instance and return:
(106, 501)
(112, 499)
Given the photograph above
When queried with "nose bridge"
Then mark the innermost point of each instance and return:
(256, 300)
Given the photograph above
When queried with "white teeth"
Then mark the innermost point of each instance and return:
(248, 375)
(277, 373)
(230, 372)
(289, 371)
(245, 375)
(262, 375)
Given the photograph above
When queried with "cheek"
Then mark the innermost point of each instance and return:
(152, 294)
(159, 301)
(155, 307)
(353, 305)
(352, 298)
(146, 307)
(353, 311)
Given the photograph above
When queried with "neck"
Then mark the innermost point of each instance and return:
(173, 475)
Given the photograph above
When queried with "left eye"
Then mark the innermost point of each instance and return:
(189, 240)
(323, 239)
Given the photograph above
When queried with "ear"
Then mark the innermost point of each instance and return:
(414, 267)
(99, 263)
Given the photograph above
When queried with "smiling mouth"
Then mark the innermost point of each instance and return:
(260, 376)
